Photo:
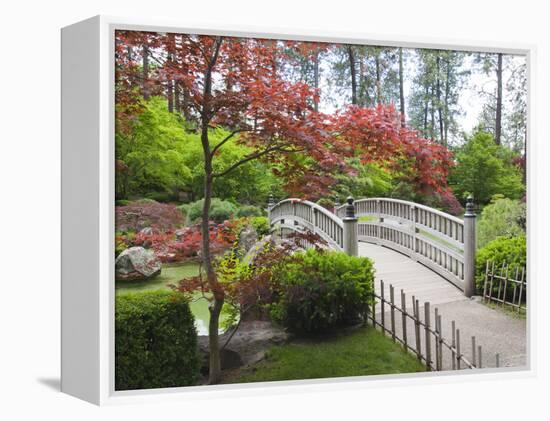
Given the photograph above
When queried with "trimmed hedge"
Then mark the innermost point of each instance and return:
(320, 290)
(155, 341)
(510, 251)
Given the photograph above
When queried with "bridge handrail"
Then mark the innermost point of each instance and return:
(312, 216)
(410, 228)
(341, 209)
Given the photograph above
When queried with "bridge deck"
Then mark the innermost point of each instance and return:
(415, 279)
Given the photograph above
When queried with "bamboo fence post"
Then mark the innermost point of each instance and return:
(458, 355)
(473, 351)
(417, 329)
(427, 334)
(479, 356)
(485, 283)
(453, 345)
(382, 309)
(437, 334)
(404, 317)
(392, 300)
(521, 289)
(440, 341)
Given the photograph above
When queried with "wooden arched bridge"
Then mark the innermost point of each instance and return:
(429, 253)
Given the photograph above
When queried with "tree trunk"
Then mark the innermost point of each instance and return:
(432, 114)
(426, 102)
(378, 81)
(438, 97)
(145, 70)
(447, 93)
(498, 120)
(177, 99)
(316, 78)
(353, 75)
(217, 292)
(401, 89)
(170, 95)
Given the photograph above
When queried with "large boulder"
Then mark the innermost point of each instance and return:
(136, 263)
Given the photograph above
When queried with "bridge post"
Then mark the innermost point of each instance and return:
(270, 204)
(469, 248)
(350, 229)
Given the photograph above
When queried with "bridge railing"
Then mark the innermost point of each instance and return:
(295, 214)
(429, 236)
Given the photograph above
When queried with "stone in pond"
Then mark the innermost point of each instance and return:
(136, 263)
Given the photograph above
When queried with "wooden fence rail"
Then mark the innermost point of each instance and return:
(505, 287)
(427, 343)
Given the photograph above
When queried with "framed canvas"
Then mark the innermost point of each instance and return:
(246, 208)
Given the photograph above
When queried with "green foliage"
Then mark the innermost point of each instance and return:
(249, 210)
(366, 180)
(261, 225)
(153, 152)
(321, 290)
(502, 218)
(220, 210)
(163, 156)
(507, 251)
(155, 341)
(485, 169)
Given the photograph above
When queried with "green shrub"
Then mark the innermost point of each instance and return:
(261, 225)
(143, 201)
(220, 210)
(509, 251)
(502, 218)
(155, 341)
(122, 202)
(320, 290)
(248, 210)
(161, 196)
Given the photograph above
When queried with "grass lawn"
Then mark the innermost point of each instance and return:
(363, 352)
(171, 274)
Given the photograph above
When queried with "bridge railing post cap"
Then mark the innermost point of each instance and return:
(469, 205)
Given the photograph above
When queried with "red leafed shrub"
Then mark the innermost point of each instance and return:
(137, 216)
(450, 203)
(178, 245)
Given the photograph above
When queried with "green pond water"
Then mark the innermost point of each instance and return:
(171, 274)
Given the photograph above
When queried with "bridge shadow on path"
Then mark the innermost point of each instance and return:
(494, 330)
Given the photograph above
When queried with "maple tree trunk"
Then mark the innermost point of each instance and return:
(216, 305)
(401, 89)
(498, 120)
(353, 76)
(218, 295)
